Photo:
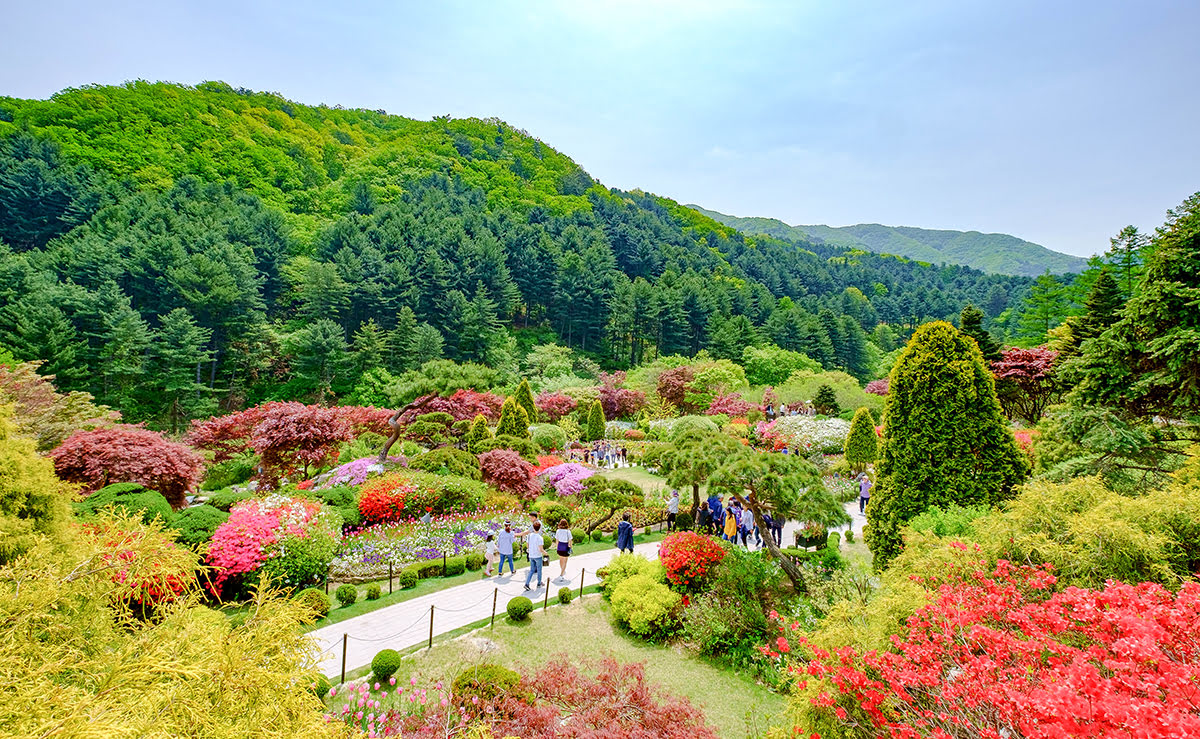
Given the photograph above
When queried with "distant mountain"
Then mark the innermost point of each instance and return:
(995, 253)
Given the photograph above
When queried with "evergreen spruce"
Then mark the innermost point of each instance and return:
(970, 322)
(1104, 304)
(514, 421)
(479, 432)
(945, 441)
(862, 445)
(595, 422)
(524, 398)
(826, 401)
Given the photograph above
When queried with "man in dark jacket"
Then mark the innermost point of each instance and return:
(625, 534)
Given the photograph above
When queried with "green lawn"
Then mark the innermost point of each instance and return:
(734, 704)
(639, 476)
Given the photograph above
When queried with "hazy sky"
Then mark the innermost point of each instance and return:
(1056, 122)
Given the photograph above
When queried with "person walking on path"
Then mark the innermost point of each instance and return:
(504, 543)
(731, 524)
(563, 537)
(489, 553)
(625, 534)
(672, 510)
(864, 493)
(536, 552)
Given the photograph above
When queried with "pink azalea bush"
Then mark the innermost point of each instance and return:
(568, 478)
(354, 473)
(260, 529)
(732, 405)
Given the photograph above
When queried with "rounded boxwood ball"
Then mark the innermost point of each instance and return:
(385, 664)
(519, 608)
(346, 594)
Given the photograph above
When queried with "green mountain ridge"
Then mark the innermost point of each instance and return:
(990, 252)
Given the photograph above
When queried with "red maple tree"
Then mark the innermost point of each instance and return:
(125, 453)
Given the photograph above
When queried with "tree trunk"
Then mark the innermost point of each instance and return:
(789, 567)
(695, 500)
(394, 422)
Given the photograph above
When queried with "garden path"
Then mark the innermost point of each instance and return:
(406, 624)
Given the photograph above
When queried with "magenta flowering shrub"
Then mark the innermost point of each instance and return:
(567, 478)
(354, 473)
(731, 404)
(275, 527)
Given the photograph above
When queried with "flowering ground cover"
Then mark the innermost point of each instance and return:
(366, 554)
(354, 473)
(825, 435)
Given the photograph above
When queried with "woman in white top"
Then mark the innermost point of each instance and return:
(564, 538)
(489, 552)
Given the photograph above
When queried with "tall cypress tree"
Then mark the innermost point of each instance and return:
(862, 445)
(514, 421)
(970, 322)
(595, 422)
(945, 439)
(524, 398)
(479, 432)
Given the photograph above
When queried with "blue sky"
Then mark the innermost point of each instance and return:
(1056, 122)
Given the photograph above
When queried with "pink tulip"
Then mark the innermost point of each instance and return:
(392, 680)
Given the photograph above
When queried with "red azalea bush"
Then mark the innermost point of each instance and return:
(689, 558)
(998, 654)
(619, 402)
(145, 563)
(731, 405)
(128, 454)
(504, 470)
(554, 406)
(545, 462)
(392, 498)
(561, 700)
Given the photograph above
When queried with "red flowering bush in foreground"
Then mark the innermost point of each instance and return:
(605, 699)
(998, 654)
(393, 498)
(128, 454)
(689, 558)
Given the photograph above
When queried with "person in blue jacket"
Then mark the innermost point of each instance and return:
(718, 514)
(625, 534)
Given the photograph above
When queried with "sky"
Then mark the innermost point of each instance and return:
(1058, 122)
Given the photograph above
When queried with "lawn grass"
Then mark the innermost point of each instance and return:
(734, 704)
(640, 476)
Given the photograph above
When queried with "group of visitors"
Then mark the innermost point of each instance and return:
(500, 546)
(735, 523)
(795, 409)
(603, 454)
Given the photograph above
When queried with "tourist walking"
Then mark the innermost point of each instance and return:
(504, 543)
(672, 510)
(536, 552)
(704, 519)
(625, 534)
(731, 524)
(718, 515)
(864, 493)
(489, 553)
(564, 538)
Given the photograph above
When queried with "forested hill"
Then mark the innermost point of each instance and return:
(286, 249)
(994, 253)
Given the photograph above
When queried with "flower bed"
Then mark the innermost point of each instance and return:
(366, 555)
(296, 531)
(807, 433)
(407, 495)
(353, 473)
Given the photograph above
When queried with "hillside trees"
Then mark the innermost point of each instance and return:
(945, 440)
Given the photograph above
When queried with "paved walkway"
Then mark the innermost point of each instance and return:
(406, 624)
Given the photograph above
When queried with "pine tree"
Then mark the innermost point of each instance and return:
(370, 346)
(427, 345)
(1045, 307)
(970, 322)
(402, 341)
(1126, 256)
(477, 433)
(595, 422)
(178, 394)
(945, 440)
(514, 421)
(320, 350)
(524, 398)
(825, 401)
(1104, 304)
(862, 444)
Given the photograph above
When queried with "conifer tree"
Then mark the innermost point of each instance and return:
(524, 398)
(945, 441)
(1103, 304)
(595, 422)
(826, 402)
(514, 421)
(970, 322)
(479, 432)
(862, 445)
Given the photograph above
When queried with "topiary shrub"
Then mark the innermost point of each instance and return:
(475, 561)
(548, 437)
(194, 526)
(646, 607)
(429, 569)
(228, 498)
(834, 541)
(385, 664)
(684, 522)
(374, 591)
(579, 536)
(565, 596)
(622, 567)
(456, 566)
(321, 686)
(486, 683)
(149, 504)
(448, 460)
(131, 496)
(408, 578)
(519, 608)
(346, 594)
(314, 599)
(849, 536)
(551, 512)
(597, 535)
